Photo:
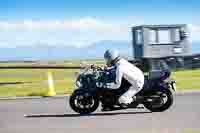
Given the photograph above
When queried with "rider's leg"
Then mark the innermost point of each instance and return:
(127, 97)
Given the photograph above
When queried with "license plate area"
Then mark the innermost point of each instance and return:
(173, 86)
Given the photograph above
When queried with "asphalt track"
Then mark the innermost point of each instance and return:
(53, 115)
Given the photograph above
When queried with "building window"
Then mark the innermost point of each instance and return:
(152, 37)
(138, 36)
(159, 36)
(164, 37)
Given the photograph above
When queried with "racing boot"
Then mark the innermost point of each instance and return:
(123, 106)
(107, 108)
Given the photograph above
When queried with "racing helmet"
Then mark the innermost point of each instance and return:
(111, 57)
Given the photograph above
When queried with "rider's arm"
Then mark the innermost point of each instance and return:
(109, 68)
(118, 80)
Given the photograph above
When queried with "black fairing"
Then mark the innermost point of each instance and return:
(151, 85)
(88, 81)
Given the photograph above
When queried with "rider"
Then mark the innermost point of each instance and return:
(125, 70)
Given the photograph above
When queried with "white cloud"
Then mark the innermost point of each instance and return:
(77, 32)
(87, 23)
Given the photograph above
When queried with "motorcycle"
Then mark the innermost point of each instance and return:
(157, 94)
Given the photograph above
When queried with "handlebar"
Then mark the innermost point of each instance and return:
(95, 67)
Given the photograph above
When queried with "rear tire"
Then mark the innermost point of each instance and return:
(170, 99)
(72, 102)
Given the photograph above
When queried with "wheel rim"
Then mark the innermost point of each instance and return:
(84, 101)
(161, 99)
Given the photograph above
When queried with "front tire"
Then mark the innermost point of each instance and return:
(155, 107)
(83, 108)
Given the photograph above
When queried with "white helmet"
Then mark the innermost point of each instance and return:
(111, 56)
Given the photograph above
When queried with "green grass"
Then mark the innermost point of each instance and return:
(35, 83)
(187, 79)
(31, 82)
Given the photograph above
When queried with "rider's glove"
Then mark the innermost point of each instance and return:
(100, 85)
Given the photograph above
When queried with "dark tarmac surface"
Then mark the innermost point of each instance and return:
(53, 115)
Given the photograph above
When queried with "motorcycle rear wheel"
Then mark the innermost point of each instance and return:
(169, 93)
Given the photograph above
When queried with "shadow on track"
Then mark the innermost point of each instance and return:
(78, 115)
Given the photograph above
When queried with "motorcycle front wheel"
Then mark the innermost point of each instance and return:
(83, 103)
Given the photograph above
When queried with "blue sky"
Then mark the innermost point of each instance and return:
(112, 8)
(83, 22)
(179, 10)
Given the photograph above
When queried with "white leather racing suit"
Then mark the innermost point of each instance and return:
(132, 74)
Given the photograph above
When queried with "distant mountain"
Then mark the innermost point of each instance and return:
(61, 52)
(97, 50)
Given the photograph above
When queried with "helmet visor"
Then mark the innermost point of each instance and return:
(108, 62)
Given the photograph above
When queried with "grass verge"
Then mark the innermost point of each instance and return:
(24, 82)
